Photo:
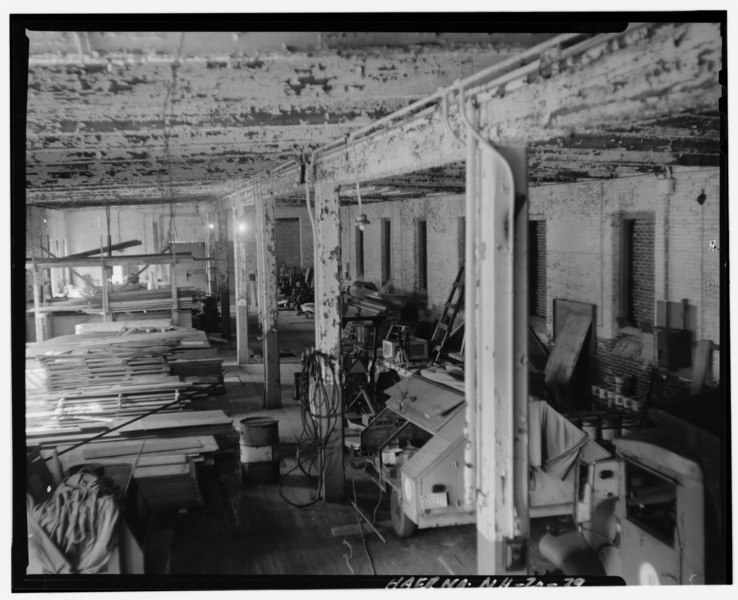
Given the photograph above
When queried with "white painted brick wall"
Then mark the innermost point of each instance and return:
(583, 259)
(441, 215)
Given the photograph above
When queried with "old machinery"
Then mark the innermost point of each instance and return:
(417, 444)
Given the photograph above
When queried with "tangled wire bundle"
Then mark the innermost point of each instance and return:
(321, 415)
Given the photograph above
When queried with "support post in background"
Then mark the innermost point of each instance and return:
(223, 286)
(328, 303)
(501, 394)
(211, 252)
(266, 283)
(40, 319)
(173, 282)
(242, 302)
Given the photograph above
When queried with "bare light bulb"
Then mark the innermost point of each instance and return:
(211, 225)
(242, 227)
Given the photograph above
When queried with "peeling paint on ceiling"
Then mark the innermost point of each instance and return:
(142, 117)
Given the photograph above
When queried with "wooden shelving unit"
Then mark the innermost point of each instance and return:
(36, 264)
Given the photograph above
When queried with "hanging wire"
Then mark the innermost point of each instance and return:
(361, 529)
(169, 101)
(321, 415)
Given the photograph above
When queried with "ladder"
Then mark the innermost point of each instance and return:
(445, 324)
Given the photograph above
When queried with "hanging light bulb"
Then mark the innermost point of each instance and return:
(211, 225)
(242, 226)
(362, 221)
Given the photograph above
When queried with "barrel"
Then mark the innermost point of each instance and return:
(609, 427)
(259, 449)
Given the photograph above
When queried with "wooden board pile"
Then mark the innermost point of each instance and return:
(166, 450)
(168, 481)
(99, 376)
(188, 298)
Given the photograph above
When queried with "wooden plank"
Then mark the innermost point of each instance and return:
(200, 418)
(566, 350)
(702, 361)
(161, 471)
(190, 445)
(128, 259)
(563, 308)
(166, 459)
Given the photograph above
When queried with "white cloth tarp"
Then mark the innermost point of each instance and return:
(74, 530)
(554, 442)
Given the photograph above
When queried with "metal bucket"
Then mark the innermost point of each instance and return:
(260, 449)
(589, 426)
(628, 425)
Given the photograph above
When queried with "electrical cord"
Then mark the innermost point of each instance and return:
(320, 415)
(361, 529)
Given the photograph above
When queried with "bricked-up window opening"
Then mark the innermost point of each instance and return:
(287, 242)
(386, 251)
(422, 230)
(537, 268)
(462, 240)
(638, 271)
(359, 252)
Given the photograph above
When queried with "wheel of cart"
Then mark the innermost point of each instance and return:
(401, 523)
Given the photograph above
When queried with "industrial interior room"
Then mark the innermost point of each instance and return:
(368, 303)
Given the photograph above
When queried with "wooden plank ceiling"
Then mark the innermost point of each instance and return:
(135, 118)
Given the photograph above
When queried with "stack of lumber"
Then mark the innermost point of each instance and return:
(122, 326)
(72, 371)
(103, 405)
(149, 300)
(166, 450)
(103, 375)
(188, 298)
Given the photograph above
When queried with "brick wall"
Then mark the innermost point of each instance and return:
(281, 212)
(442, 215)
(537, 266)
(606, 365)
(642, 301)
(287, 233)
(584, 226)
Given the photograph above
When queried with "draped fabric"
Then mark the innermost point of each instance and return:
(554, 441)
(74, 530)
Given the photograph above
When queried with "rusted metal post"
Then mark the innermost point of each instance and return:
(266, 280)
(328, 313)
(242, 302)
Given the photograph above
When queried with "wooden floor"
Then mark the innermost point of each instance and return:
(269, 536)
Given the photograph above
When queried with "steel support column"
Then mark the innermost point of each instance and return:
(211, 249)
(328, 312)
(224, 290)
(266, 283)
(500, 308)
(241, 283)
